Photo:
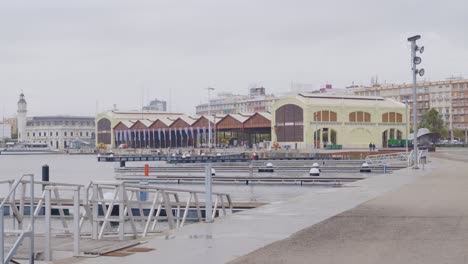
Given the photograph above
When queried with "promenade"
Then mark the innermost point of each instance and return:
(422, 222)
(230, 238)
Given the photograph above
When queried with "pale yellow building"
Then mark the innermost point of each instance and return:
(350, 121)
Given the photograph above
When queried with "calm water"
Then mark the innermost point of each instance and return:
(81, 169)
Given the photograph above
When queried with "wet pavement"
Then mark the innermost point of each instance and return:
(236, 235)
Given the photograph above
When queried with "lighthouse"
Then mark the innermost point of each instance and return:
(21, 118)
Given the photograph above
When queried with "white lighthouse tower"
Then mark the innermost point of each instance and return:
(21, 118)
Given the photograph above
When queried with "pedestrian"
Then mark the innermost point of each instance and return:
(373, 147)
(370, 146)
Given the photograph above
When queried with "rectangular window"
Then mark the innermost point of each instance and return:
(71, 134)
(65, 133)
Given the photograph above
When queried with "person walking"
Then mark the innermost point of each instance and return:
(373, 147)
(370, 146)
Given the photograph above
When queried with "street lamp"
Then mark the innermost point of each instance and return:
(209, 116)
(316, 133)
(415, 61)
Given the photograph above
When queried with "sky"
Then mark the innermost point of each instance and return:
(82, 57)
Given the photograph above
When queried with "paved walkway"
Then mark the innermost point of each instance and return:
(423, 222)
(239, 234)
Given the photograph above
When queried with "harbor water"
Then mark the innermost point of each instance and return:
(81, 169)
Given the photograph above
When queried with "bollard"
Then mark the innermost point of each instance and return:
(314, 172)
(385, 169)
(365, 168)
(122, 164)
(45, 174)
(143, 195)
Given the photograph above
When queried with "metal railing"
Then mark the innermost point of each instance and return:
(152, 205)
(48, 192)
(144, 204)
(18, 218)
(400, 158)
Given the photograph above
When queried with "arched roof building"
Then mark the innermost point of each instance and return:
(350, 121)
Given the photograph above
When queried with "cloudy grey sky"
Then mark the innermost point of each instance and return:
(69, 56)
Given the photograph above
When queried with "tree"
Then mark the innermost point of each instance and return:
(434, 122)
(458, 133)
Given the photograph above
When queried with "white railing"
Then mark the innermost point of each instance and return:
(18, 218)
(146, 198)
(397, 158)
(400, 158)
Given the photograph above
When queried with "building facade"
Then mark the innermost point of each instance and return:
(5, 131)
(449, 98)
(156, 105)
(12, 121)
(61, 132)
(307, 120)
(228, 103)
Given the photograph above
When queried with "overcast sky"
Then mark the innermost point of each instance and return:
(72, 57)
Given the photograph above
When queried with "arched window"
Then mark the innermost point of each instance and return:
(359, 116)
(392, 117)
(325, 116)
(289, 123)
(104, 131)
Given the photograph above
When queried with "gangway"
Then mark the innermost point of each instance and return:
(395, 159)
(84, 216)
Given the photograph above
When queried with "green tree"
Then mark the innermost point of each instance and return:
(458, 133)
(434, 122)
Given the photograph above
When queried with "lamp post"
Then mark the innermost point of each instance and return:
(209, 116)
(406, 114)
(316, 133)
(415, 61)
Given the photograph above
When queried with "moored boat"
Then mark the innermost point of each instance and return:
(29, 149)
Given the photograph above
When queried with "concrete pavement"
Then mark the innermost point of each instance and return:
(422, 222)
(239, 234)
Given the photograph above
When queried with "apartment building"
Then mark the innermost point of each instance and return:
(449, 98)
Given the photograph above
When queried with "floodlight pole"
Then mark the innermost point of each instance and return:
(406, 114)
(209, 117)
(415, 112)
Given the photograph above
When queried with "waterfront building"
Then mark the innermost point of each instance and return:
(13, 122)
(5, 131)
(308, 120)
(58, 132)
(107, 121)
(449, 98)
(156, 105)
(61, 132)
(175, 130)
(227, 103)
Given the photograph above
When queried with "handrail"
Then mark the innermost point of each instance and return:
(15, 185)
(29, 232)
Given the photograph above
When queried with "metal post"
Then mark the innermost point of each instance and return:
(48, 233)
(76, 222)
(45, 174)
(316, 133)
(31, 213)
(2, 241)
(208, 201)
(209, 116)
(415, 111)
(406, 114)
(121, 188)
